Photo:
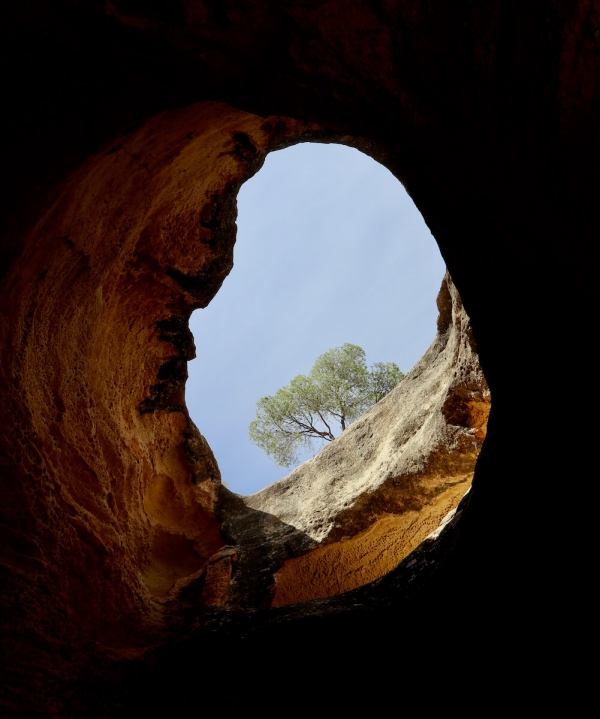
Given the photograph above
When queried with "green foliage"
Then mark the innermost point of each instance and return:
(337, 390)
(384, 376)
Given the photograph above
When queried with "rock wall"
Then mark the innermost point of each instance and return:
(124, 523)
(125, 537)
(110, 509)
(366, 500)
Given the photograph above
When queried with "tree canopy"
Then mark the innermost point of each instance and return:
(338, 389)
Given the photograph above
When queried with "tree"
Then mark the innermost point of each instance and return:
(337, 390)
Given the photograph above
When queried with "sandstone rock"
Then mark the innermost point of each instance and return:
(117, 489)
(366, 500)
(123, 517)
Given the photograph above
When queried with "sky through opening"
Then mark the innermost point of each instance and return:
(330, 249)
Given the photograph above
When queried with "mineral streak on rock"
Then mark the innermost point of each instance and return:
(371, 496)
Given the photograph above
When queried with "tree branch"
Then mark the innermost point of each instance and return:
(330, 433)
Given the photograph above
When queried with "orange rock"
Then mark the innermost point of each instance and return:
(118, 489)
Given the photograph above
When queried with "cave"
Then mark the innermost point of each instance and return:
(130, 128)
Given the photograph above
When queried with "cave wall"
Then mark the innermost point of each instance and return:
(487, 112)
(110, 509)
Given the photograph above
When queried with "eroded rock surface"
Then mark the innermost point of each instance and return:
(364, 502)
(115, 534)
(121, 521)
(111, 488)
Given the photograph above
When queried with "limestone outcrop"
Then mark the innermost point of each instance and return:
(366, 500)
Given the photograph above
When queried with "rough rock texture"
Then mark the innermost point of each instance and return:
(370, 497)
(111, 505)
(488, 111)
(118, 495)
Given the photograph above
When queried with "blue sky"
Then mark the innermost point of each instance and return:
(330, 249)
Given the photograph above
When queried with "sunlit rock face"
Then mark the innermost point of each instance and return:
(362, 504)
(110, 508)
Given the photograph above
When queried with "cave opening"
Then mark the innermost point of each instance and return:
(118, 541)
(307, 278)
(143, 235)
(354, 513)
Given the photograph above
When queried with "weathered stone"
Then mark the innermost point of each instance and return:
(367, 499)
(132, 520)
(98, 437)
